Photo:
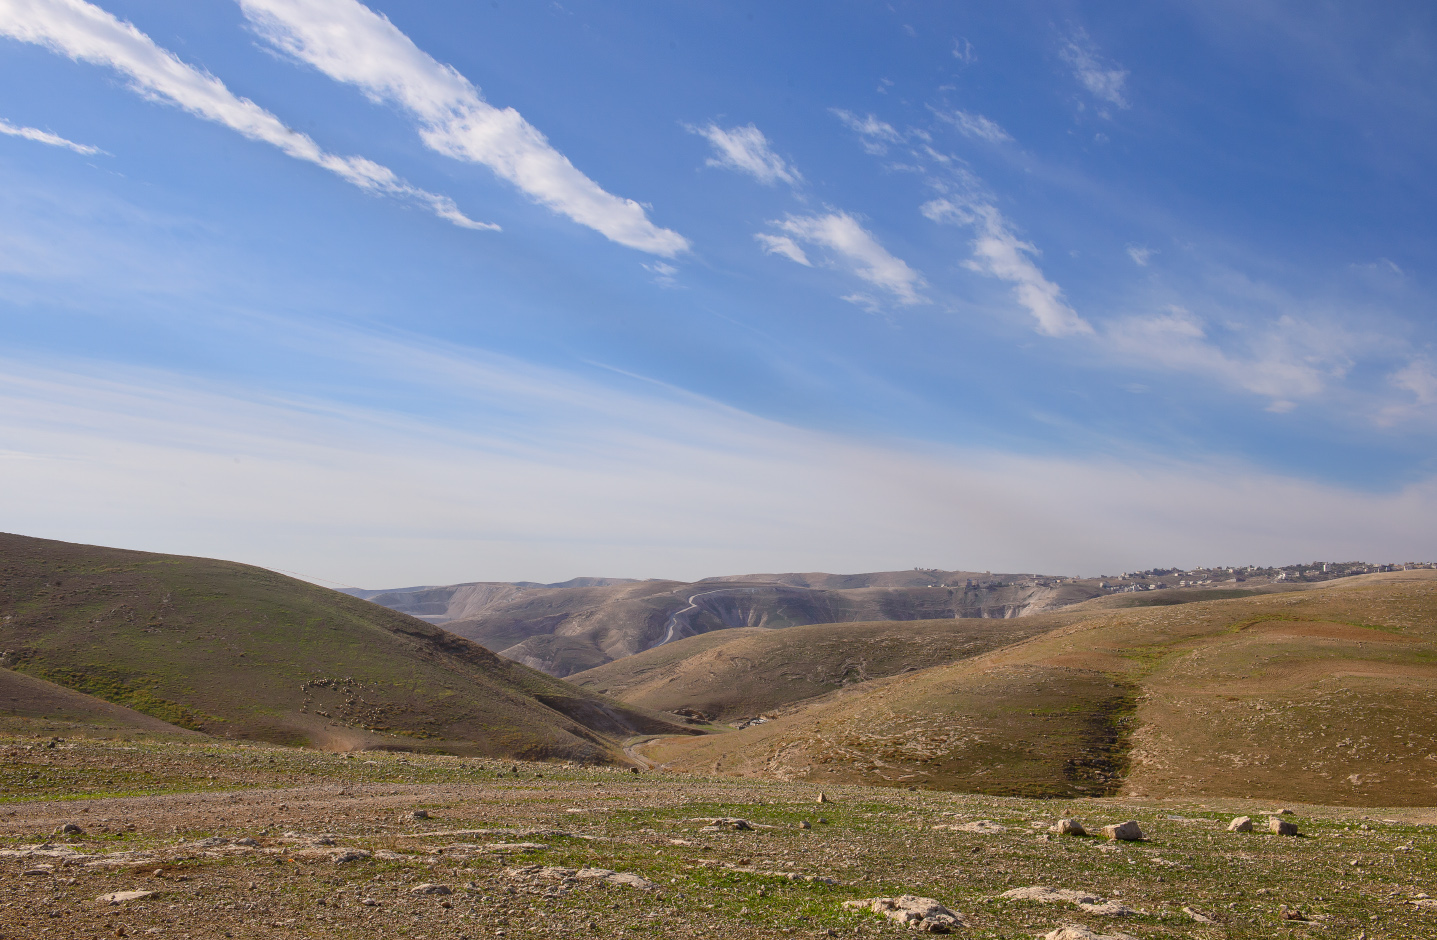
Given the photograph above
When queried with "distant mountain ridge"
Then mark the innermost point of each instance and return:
(585, 622)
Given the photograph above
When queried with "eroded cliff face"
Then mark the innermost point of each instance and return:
(562, 630)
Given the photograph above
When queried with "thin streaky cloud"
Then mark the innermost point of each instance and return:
(45, 137)
(357, 46)
(1141, 254)
(999, 253)
(875, 135)
(856, 249)
(747, 150)
(783, 246)
(975, 125)
(86, 33)
(1104, 80)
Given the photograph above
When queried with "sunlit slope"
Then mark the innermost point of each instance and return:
(33, 706)
(238, 651)
(746, 672)
(1326, 695)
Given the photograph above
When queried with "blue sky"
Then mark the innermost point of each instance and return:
(407, 293)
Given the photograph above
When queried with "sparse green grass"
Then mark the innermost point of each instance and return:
(877, 842)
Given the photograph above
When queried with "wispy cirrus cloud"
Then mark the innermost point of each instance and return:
(1104, 80)
(746, 150)
(974, 125)
(852, 247)
(353, 44)
(86, 33)
(1285, 362)
(784, 247)
(45, 137)
(999, 253)
(873, 134)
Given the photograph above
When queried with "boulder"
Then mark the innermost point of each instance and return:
(913, 912)
(1069, 827)
(1281, 827)
(721, 823)
(1240, 824)
(1125, 832)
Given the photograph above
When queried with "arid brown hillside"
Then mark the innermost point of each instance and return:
(1324, 695)
(744, 673)
(241, 652)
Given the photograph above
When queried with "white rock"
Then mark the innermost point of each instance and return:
(1281, 827)
(119, 897)
(1126, 832)
(1240, 824)
(1077, 932)
(913, 912)
(1069, 827)
(1092, 903)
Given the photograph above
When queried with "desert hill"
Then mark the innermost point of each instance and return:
(242, 652)
(746, 672)
(1327, 694)
(562, 630)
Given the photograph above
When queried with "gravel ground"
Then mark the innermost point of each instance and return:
(258, 841)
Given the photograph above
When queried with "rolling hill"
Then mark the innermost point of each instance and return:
(746, 672)
(241, 652)
(1324, 695)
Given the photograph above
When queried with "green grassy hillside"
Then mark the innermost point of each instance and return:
(1327, 695)
(241, 652)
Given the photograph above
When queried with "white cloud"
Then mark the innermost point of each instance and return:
(1286, 363)
(784, 246)
(975, 125)
(873, 134)
(1103, 80)
(86, 33)
(552, 476)
(1141, 254)
(665, 275)
(352, 44)
(45, 137)
(997, 252)
(857, 250)
(963, 51)
(746, 149)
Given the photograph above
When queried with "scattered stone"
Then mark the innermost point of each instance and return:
(1069, 827)
(575, 875)
(119, 897)
(913, 912)
(1125, 832)
(1079, 932)
(1290, 913)
(348, 855)
(69, 829)
(1199, 918)
(722, 823)
(822, 821)
(418, 814)
(805, 824)
(1092, 903)
(1281, 827)
(823, 798)
(427, 888)
(984, 826)
(1240, 824)
(504, 847)
(1283, 812)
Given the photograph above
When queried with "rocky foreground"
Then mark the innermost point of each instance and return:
(185, 840)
